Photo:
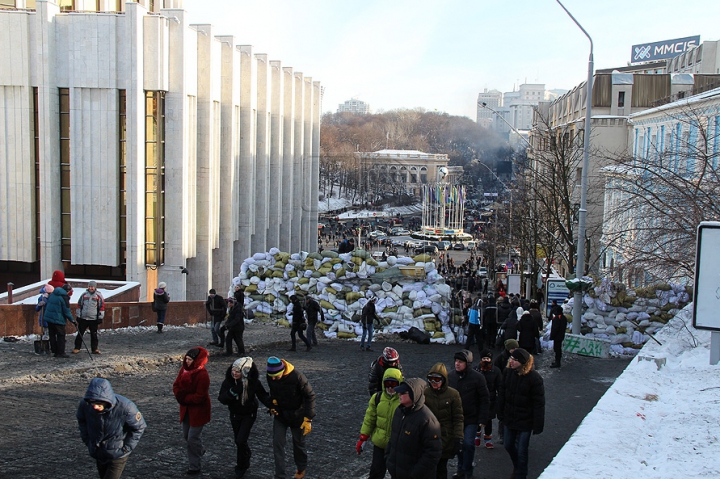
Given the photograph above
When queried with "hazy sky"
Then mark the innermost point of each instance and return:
(438, 54)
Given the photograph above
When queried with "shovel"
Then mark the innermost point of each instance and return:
(42, 346)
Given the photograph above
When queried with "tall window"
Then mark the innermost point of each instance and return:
(36, 153)
(66, 5)
(65, 174)
(122, 108)
(154, 178)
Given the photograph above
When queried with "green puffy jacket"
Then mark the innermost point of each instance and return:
(379, 414)
(446, 404)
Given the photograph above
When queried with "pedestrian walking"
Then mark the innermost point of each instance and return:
(367, 319)
(389, 358)
(90, 312)
(42, 346)
(557, 336)
(191, 389)
(292, 403)
(314, 311)
(235, 326)
(216, 308)
(475, 403)
(415, 443)
(298, 324)
(475, 329)
(57, 314)
(493, 379)
(161, 298)
(527, 332)
(537, 317)
(445, 403)
(110, 426)
(378, 421)
(521, 406)
(240, 392)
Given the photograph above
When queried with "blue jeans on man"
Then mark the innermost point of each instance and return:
(517, 444)
(466, 456)
(367, 330)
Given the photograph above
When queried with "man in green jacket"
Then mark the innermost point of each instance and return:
(445, 403)
(378, 419)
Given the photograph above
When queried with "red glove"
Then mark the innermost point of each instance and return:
(361, 443)
(478, 438)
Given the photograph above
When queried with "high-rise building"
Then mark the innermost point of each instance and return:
(354, 106)
(516, 107)
(492, 99)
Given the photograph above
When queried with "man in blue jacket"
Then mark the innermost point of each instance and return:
(110, 426)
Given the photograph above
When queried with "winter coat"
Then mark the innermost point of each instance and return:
(298, 313)
(369, 313)
(313, 310)
(236, 317)
(510, 328)
(521, 402)
(91, 306)
(231, 393)
(528, 332)
(501, 360)
(41, 302)
(537, 317)
(114, 432)
(191, 389)
(379, 414)
(558, 328)
(216, 307)
(56, 309)
(473, 391)
(446, 404)
(415, 443)
(377, 372)
(493, 379)
(503, 311)
(294, 396)
(161, 298)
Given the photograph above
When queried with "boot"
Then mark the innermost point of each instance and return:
(160, 326)
(555, 364)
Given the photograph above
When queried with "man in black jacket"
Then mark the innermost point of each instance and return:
(235, 325)
(298, 324)
(367, 319)
(313, 310)
(521, 407)
(557, 335)
(475, 403)
(292, 402)
(216, 307)
(415, 443)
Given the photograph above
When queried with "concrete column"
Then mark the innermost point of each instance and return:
(225, 265)
(315, 188)
(262, 155)
(288, 160)
(248, 118)
(276, 155)
(309, 237)
(297, 200)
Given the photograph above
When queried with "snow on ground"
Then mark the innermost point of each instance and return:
(653, 423)
(385, 212)
(106, 293)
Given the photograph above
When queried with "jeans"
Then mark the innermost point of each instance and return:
(161, 316)
(312, 339)
(367, 330)
(517, 444)
(57, 338)
(297, 329)
(466, 456)
(83, 325)
(215, 330)
(195, 449)
(299, 449)
(112, 469)
(242, 424)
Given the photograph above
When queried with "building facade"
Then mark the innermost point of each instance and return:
(136, 145)
(354, 106)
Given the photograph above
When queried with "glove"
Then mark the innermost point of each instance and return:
(458, 445)
(478, 439)
(361, 443)
(272, 411)
(306, 426)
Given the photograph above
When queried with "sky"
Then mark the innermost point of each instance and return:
(438, 55)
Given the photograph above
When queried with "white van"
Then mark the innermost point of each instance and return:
(471, 245)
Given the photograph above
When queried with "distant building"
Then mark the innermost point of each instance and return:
(492, 99)
(354, 106)
(515, 107)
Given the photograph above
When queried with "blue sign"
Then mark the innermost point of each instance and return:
(555, 289)
(647, 52)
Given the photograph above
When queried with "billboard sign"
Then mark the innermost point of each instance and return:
(706, 294)
(647, 52)
(555, 289)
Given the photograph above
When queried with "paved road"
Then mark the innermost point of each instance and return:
(38, 399)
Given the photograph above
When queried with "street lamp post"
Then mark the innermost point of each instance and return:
(580, 263)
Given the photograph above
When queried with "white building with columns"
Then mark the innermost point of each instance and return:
(134, 144)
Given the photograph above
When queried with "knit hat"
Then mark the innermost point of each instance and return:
(275, 367)
(486, 353)
(212, 291)
(243, 366)
(49, 288)
(511, 344)
(520, 355)
(193, 353)
(162, 285)
(92, 284)
(465, 355)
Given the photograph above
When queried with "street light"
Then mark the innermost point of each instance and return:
(580, 263)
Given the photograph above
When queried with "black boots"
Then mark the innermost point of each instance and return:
(160, 326)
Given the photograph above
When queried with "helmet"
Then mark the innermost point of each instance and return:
(391, 355)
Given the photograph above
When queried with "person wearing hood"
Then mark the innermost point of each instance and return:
(475, 403)
(191, 390)
(527, 332)
(58, 279)
(493, 379)
(521, 407)
(415, 444)
(57, 314)
(240, 392)
(161, 298)
(292, 403)
(445, 403)
(378, 421)
(110, 426)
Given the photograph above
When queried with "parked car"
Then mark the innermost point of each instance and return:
(413, 244)
(376, 233)
(447, 244)
(458, 247)
(471, 245)
(431, 250)
(442, 246)
(402, 231)
(482, 271)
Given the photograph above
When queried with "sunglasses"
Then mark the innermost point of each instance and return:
(435, 379)
(391, 384)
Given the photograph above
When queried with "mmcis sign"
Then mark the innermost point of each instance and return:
(646, 52)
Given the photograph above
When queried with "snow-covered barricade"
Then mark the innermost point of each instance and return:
(410, 291)
(627, 317)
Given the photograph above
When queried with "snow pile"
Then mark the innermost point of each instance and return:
(410, 291)
(652, 423)
(627, 318)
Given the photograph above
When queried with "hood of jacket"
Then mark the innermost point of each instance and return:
(58, 279)
(391, 373)
(200, 361)
(159, 291)
(100, 390)
(417, 389)
(441, 369)
(254, 374)
(288, 368)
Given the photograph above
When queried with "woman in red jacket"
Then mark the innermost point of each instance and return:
(191, 391)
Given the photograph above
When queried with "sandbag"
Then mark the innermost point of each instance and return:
(417, 335)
